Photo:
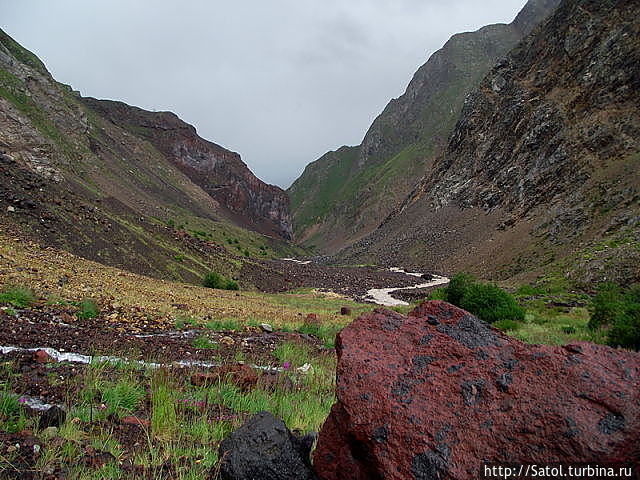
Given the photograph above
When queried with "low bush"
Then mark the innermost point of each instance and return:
(458, 287)
(215, 280)
(507, 325)
(20, 297)
(491, 303)
(606, 305)
(618, 311)
(488, 302)
(625, 331)
(88, 309)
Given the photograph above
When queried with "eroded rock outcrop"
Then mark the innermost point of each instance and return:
(218, 171)
(543, 160)
(437, 393)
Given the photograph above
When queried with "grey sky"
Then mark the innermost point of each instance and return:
(279, 81)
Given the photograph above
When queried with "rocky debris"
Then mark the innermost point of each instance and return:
(40, 356)
(272, 380)
(53, 417)
(97, 460)
(436, 393)
(264, 448)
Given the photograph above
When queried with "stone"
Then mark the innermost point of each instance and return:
(243, 376)
(312, 319)
(345, 310)
(272, 380)
(264, 448)
(40, 356)
(266, 327)
(438, 392)
(49, 433)
(11, 209)
(227, 341)
(53, 417)
(132, 420)
(98, 460)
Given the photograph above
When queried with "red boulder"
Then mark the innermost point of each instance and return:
(438, 393)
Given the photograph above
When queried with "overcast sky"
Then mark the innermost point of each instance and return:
(278, 81)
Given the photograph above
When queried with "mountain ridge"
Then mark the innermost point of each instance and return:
(78, 179)
(339, 198)
(540, 172)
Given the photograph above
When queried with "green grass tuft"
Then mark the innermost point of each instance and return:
(20, 297)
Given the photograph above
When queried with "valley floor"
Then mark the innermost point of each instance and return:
(153, 375)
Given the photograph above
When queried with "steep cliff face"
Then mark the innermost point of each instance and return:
(104, 180)
(220, 172)
(544, 159)
(346, 194)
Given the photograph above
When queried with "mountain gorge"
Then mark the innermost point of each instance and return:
(542, 163)
(346, 194)
(125, 186)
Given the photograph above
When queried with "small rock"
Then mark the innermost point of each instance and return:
(312, 319)
(98, 460)
(306, 368)
(11, 209)
(227, 341)
(40, 356)
(345, 311)
(264, 448)
(132, 420)
(54, 417)
(266, 327)
(49, 432)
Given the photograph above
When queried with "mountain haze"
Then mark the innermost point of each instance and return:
(347, 193)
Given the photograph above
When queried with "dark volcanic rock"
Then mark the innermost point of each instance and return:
(263, 448)
(53, 417)
(435, 394)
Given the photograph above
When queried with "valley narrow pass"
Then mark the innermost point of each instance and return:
(382, 295)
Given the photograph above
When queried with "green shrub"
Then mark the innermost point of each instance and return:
(625, 331)
(439, 294)
(20, 297)
(491, 303)
(215, 280)
(224, 325)
(88, 309)
(124, 395)
(458, 287)
(202, 342)
(606, 305)
(529, 290)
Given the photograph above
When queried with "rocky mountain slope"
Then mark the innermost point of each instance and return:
(542, 164)
(347, 193)
(124, 186)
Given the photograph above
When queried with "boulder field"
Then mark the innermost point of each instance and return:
(438, 393)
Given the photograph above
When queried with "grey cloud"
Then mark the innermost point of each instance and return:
(279, 81)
